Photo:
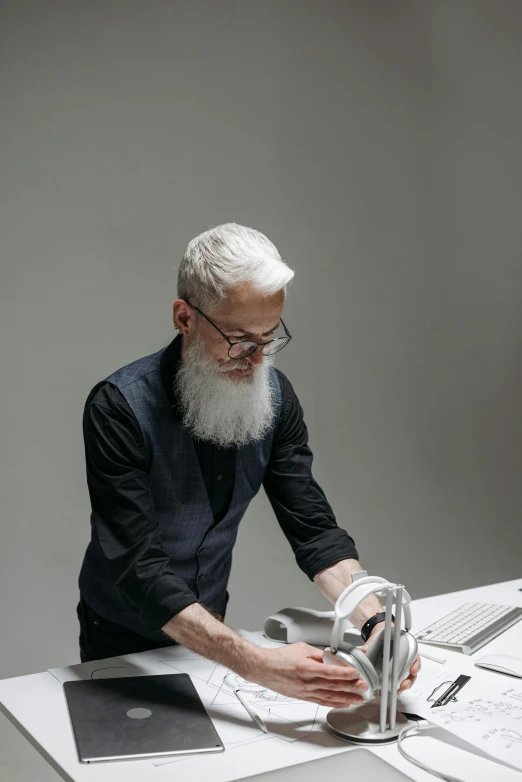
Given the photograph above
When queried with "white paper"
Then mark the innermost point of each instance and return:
(487, 712)
(111, 668)
(287, 719)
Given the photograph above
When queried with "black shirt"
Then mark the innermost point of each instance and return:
(117, 477)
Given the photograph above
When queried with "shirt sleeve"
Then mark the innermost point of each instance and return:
(300, 505)
(123, 517)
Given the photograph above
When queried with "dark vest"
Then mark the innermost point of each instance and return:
(200, 551)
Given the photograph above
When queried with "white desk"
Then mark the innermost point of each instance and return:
(28, 701)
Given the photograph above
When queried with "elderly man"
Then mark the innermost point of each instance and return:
(177, 445)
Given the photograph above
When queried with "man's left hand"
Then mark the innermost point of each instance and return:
(415, 668)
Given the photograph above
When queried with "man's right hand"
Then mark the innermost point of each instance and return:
(297, 671)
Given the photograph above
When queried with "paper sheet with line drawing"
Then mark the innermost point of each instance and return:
(487, 712)
(110, 668)
(287, 719)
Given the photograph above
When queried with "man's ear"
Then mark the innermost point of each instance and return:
(182, 316)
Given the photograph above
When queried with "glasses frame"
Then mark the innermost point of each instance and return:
(231, 344)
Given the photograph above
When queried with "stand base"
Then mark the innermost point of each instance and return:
(361, 725)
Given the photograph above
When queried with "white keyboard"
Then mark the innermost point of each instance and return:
(470, 626)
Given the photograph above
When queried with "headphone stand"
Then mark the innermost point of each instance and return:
(360, 725)
(373, 723)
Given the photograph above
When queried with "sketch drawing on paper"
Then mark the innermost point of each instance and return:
(111, 672)
(234, 682)
(490, 719)
(286, 718)
(454, 716)
(478, 709)
(517, 696)
(513, 736)
(95, 669)
(505, 707)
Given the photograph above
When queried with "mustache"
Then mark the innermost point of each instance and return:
(236, 363)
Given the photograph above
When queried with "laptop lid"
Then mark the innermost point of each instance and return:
(139, 717)
(356, 764)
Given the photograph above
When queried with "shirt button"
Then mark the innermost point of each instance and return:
(218, 478)
(202, 577)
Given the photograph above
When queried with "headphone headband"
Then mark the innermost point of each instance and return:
(357, 592)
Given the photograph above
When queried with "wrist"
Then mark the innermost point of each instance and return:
(372, 625)
(377, 629)
(253, 662)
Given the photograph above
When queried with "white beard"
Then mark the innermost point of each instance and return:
(220, 409)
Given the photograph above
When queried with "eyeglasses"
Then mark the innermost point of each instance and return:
(243, 349)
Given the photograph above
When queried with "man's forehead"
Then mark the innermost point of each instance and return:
(249, 325)
(249, 314)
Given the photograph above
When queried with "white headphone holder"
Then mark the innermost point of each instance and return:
(376, 723)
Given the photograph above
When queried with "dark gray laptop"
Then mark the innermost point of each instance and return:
(357, 764)
(139, 717)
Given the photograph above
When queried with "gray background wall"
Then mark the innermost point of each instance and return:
(378, 145)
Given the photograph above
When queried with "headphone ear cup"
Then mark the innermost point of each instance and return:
(374, 651)
(366, 670)
(356, 659)
(407, 653)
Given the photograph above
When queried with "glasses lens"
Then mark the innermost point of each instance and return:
(242, 349)
(275, 346)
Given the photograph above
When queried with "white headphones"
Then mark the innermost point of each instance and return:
(369, 663)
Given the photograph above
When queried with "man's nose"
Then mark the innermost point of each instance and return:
(256, 358)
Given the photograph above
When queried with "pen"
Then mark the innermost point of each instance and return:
(452, 690)
(257, 719)
(431, 656)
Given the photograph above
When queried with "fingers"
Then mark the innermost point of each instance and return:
(335, 700)
(332, 685)
(311, 669)
(407, 683)
(410, 681)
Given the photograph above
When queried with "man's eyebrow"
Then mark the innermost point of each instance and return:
(248, 333)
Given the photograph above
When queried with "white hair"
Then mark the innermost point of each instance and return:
(226, 256)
